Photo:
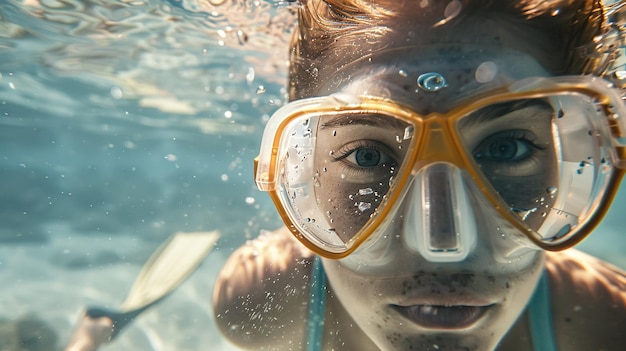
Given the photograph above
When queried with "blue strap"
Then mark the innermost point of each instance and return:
(317, 306)
(540, 317)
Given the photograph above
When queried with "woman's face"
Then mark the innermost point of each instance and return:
(400, 298)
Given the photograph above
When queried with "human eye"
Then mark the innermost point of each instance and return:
(509, 147)
(365, 157)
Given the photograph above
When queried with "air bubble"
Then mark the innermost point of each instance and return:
(452, 10)
(117, 93)
(551, 190)
(486, 72)
(403, 73)
(431, 81)
(242, 37)
(260, 90)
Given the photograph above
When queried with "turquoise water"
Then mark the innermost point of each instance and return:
(122, 122)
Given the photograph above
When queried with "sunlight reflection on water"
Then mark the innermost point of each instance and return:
(123, 121)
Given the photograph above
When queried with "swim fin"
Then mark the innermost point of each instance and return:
(164, 271)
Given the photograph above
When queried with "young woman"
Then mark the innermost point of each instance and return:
(437, 158)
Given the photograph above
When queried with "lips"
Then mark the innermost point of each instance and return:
(443, 317)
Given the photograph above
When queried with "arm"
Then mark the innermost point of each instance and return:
(260, 296)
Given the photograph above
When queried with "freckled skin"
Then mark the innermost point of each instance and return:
(588, 302)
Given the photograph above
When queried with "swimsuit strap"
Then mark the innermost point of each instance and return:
(317, 306)
(540, 317)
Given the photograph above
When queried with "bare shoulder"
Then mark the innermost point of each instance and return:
(589, 301)
(261, 290)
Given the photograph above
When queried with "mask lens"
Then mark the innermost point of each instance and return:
(546, 158)
(337, 171)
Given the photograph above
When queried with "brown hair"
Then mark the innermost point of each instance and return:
(337, 31)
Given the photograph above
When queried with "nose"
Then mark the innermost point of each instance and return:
(440, 223)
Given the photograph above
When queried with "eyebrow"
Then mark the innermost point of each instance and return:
(503, 109)
(499, 110)
(373, 120)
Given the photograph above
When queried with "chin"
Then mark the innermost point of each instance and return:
(434, 309)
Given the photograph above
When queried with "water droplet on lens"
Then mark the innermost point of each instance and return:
(364, 206)
(366, 191)
(523, 213)
(408, 133)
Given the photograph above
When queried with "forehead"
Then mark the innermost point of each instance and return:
(460, 72)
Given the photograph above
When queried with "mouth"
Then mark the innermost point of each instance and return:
(443, 317)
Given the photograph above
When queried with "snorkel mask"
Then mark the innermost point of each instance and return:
(389, 150)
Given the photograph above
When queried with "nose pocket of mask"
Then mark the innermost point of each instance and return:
(434, 225)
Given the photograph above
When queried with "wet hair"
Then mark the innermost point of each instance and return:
(338, 32)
